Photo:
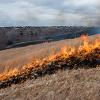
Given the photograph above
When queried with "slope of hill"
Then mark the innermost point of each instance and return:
(64, 85)
(81, 84)
(19, 56)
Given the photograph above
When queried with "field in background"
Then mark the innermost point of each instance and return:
(22, 36)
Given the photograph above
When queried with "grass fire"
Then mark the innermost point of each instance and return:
(84, 56)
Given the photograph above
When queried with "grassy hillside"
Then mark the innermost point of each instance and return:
(17, 57)
(72, 84)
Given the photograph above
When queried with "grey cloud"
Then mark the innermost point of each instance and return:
(49, 12)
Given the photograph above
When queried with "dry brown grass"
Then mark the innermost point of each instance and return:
(78, 84)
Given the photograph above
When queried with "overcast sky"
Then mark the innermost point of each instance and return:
(49, 12)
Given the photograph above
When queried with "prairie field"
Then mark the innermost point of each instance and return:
(74, 84)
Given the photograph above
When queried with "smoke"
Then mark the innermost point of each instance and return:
(98, 18)
(93, 19)
(60, 18)
(83, 13)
